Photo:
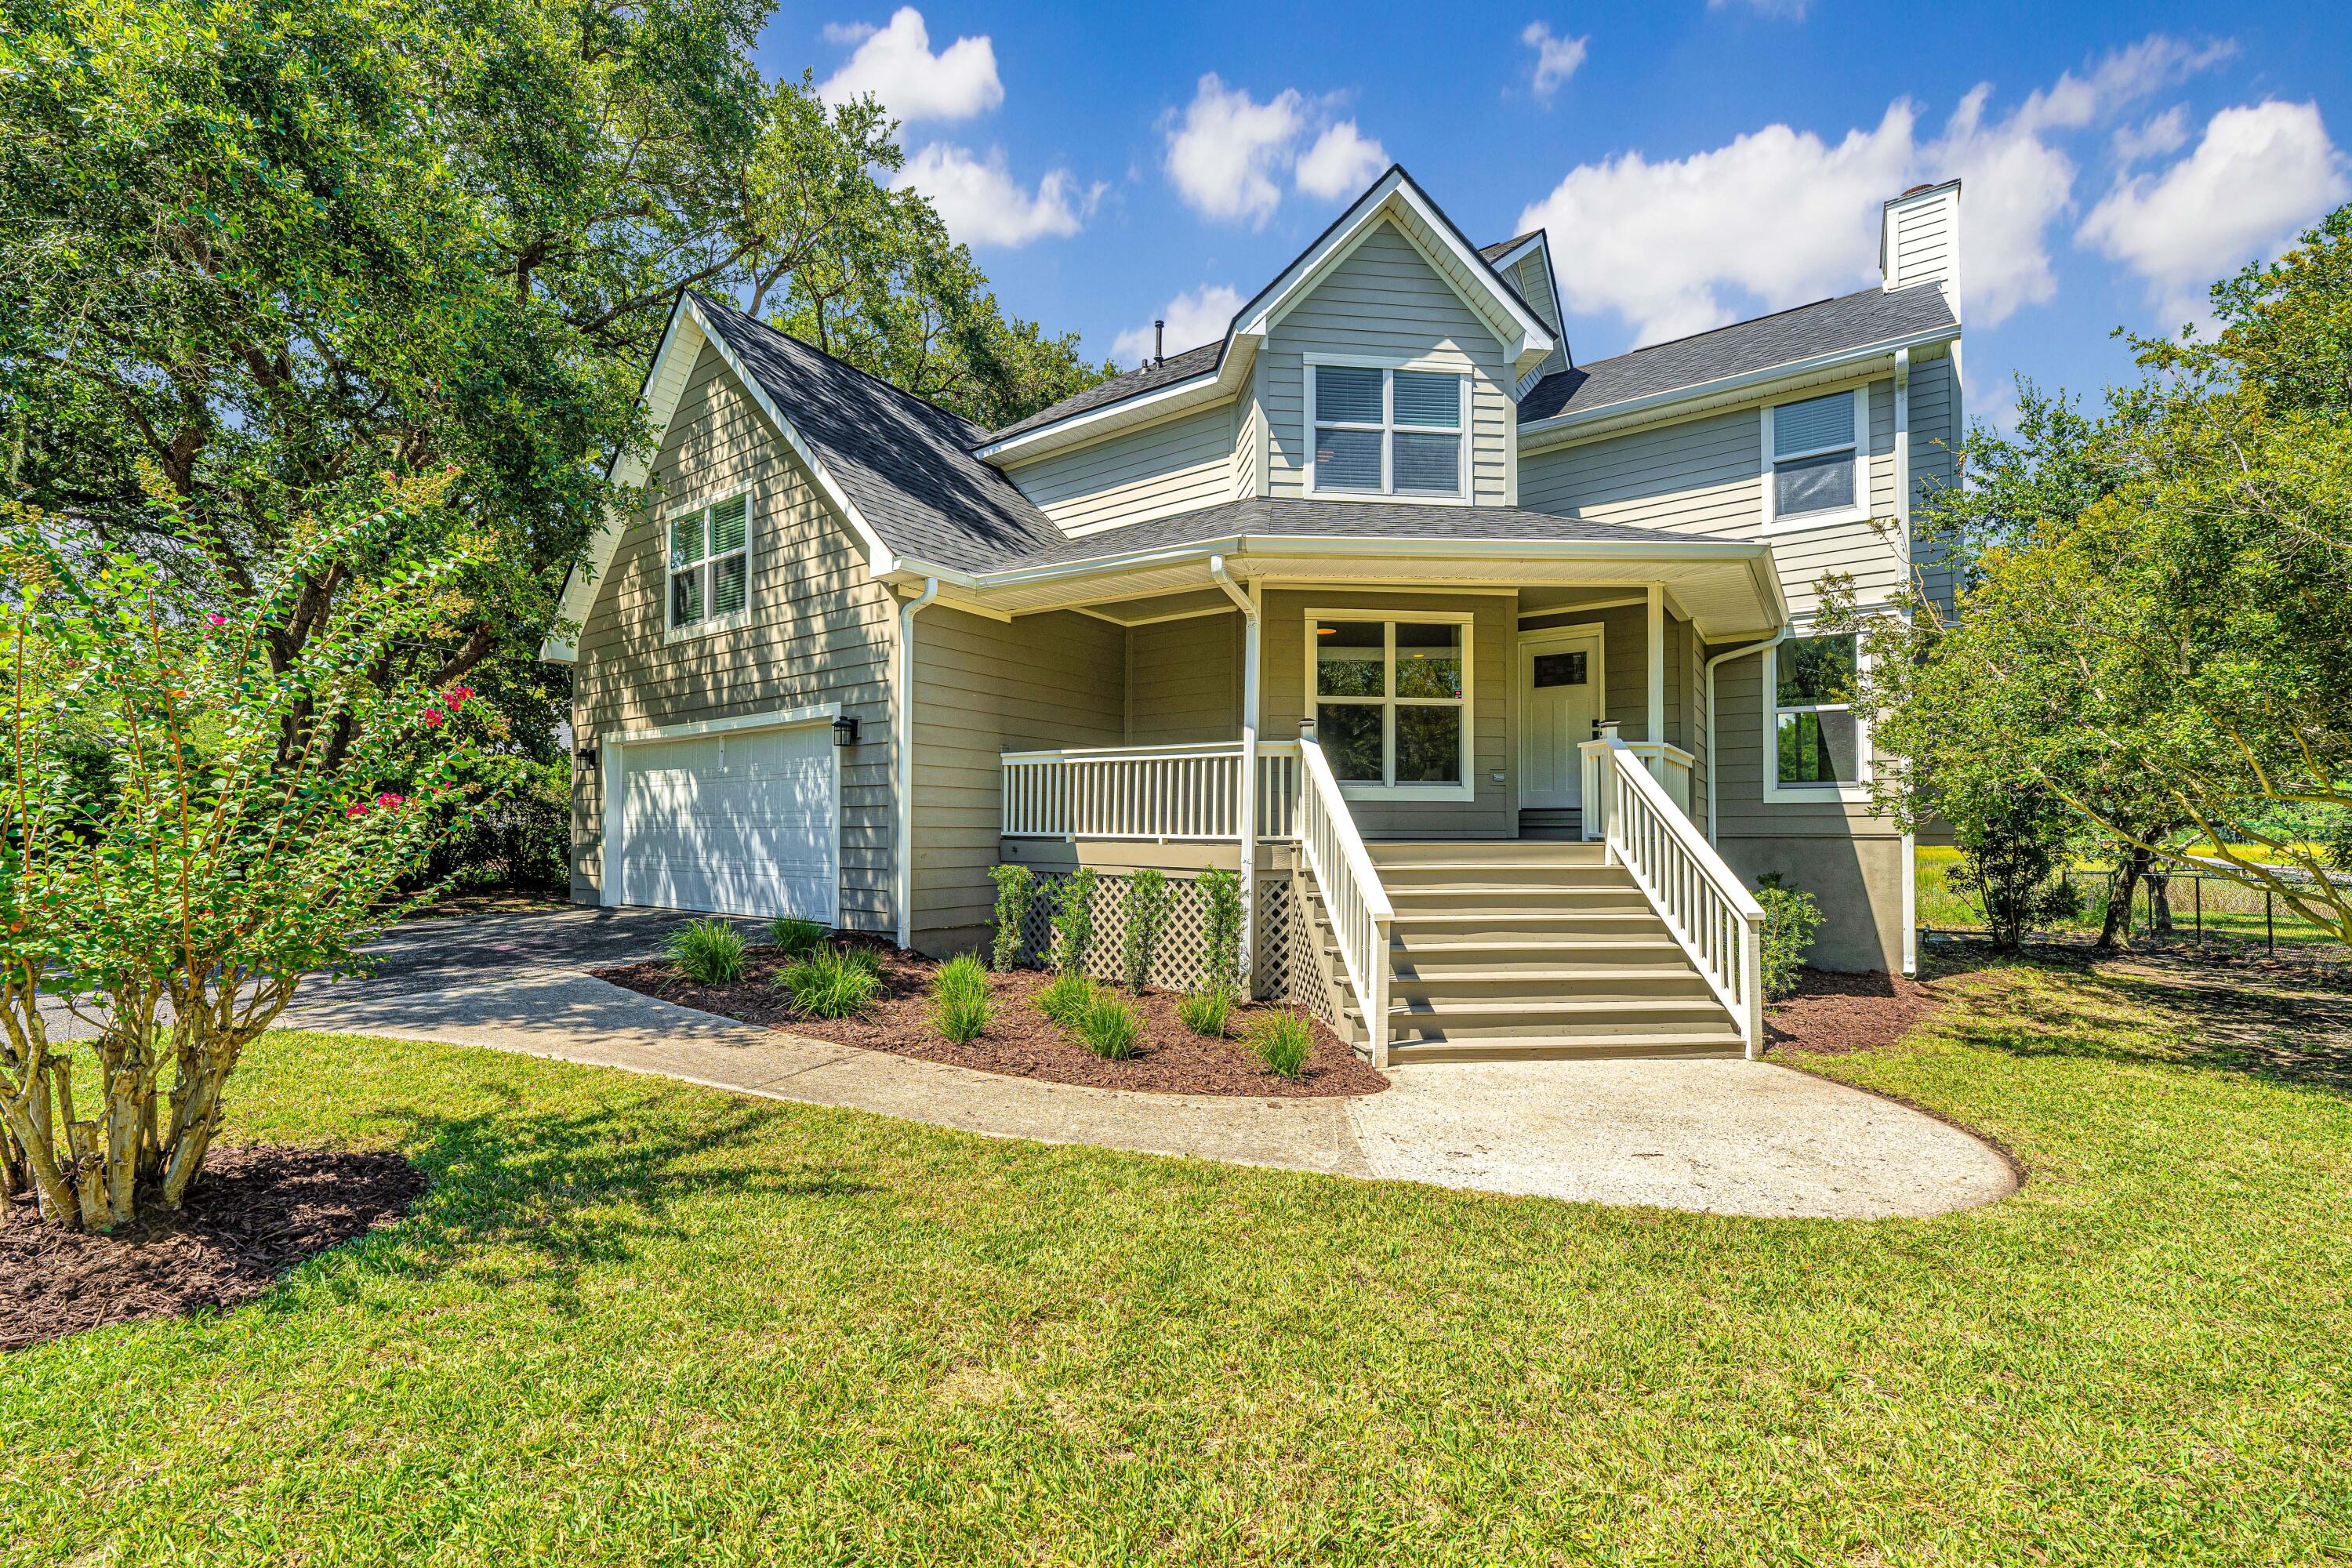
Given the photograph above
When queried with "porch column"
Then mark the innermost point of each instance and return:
(1655, 732)
(1247, 826)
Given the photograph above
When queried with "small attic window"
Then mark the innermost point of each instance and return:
(1386, 432)
(710, 566)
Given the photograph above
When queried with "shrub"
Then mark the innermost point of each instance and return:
(1016, 886)
(834, 982)
(797, 937)
(508, 824)
(1147, 918)
(2013, 841)
(1067, 996)
(1204, 1011)
(1221, 928)
(1109, 1026)
(709, 952)
(1074, 921)
(1282, 1041)
(1790, 919)
(961, 1008)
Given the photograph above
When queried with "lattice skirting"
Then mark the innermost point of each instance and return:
(1285, 967)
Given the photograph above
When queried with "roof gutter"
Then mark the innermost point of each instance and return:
(1724, 386)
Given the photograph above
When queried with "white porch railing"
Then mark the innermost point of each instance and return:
(1703, 903)
(1361, 916)
(1161, 793)
(1669, 765)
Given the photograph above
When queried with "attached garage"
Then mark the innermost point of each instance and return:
(739, 817)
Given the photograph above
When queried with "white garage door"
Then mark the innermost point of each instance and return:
(742, 824)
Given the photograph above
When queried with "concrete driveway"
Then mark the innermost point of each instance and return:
(1729, 1137)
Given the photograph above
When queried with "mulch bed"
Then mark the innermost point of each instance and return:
(1834, 1014)
(1019, 1041)
(254, 1214)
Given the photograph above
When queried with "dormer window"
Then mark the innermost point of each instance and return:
(1380, 431)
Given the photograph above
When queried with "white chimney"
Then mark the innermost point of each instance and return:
(1919, 240)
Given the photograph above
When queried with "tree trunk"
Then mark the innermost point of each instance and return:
(2115, 932)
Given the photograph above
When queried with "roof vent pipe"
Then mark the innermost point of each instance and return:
(1159, 342)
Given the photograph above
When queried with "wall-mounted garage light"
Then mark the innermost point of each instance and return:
(844, 731)
(587, 756)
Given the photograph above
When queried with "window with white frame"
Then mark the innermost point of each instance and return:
(709, 563)
(1817, 740)
(1386, 432)
(1391, 700)
(1813, 458)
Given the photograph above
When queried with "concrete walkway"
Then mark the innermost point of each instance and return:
(1728, 1137)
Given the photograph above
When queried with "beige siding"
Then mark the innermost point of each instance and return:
(1184, 681)
(1386, 301)
(820, 631)
(1494, 813)
(1177, 465)
(983, 688)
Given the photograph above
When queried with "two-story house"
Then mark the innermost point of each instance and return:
(1490, 669)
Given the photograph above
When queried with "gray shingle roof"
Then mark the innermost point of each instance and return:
(1119, 388)
(1826, 326)
(1348, 520)
(1492, 253)
(901, 460)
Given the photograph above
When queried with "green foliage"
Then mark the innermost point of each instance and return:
(2013, 846)
(709, 952)
(1110, 1027)
(1221, 928)
(1017, 886)
(1146, 918)
(798, 937)
(2153, 614)
(1205, 1010)
(834, 982)
(960, 1004)
(1283, 1040)
(1074, 921)
(1791, 917)
(1065, 997)
(508, 825)
(197, 820)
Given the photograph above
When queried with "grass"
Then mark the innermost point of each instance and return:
(1204, 1011)
(796, 936)
(960, 1004)
(1282, 1041)
(709, 952)
(637, 1322)
(2225, 911)
(834, 982)
(1065, 998)
(1110, 1027)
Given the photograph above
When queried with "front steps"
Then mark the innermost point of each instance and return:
(1531, 949)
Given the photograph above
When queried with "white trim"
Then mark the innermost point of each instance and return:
(1388, 428)
(708, 624)
(1206, 389)
(1854, 793)
(613, 893)
(1859, 511)
(1388, 701)
(1629, 601)
(1523, 692)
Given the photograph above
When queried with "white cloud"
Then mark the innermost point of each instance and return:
(1556, 57)
(1341, 163)
(1196, 317)
(2160, 134)
(1227, 153)
(982, 204)
(1778, 216)
(2260, 174)
(895, 65)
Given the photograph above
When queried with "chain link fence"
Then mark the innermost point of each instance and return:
(2181, 911)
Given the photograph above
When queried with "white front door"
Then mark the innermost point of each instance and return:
(1559, 700)
(742, 823)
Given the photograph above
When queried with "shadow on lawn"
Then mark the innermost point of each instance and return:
(543, 1197)
(2285, 1028)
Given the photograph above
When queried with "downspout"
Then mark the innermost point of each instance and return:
(1903, 522)
(1714, 757)
(903, 866)
(1248, 824)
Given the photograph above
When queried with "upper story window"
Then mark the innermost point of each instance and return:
(1818, 744)
(1813, 460)
(1386, 432)
(710, 564)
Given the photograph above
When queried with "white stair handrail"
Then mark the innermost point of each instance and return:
(1705, 905)
(1361, 916)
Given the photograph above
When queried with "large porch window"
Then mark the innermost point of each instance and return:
(1392, 701)
(1817, 740)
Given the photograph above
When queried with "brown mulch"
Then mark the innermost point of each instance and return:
(1020, 1041)
(254, 1214)
(1833, 1014)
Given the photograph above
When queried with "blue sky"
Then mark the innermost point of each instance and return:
(1695, 162)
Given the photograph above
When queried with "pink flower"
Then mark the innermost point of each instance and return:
(456, 697)
(388, 800)
(432, 717)
(215, 619)
(357, 808)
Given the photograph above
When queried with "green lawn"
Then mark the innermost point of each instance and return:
(2222, 910)
(638, 1322)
